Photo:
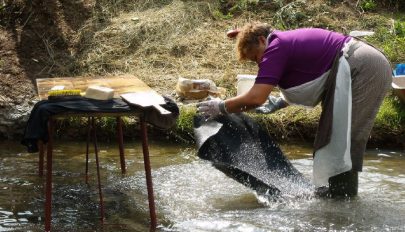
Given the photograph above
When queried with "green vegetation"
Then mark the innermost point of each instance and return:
(228, 9)
(184, 127)
(118, 42)
(162, 40)
(389, 127)
(368, 5)
(390, 38)
(300, 123)
(391, 115)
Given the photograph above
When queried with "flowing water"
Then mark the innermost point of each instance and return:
(190, 194)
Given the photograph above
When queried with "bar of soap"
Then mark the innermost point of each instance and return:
(58, 87)
(99, 93)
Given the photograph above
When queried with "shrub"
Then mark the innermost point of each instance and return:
(368, 5)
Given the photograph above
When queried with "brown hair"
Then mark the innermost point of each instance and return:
(248, 38)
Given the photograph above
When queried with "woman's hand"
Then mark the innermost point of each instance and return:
(231, 34)
(274, 104)
(211, 109)
(255, 97)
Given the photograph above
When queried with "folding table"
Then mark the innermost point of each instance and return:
(121, 84)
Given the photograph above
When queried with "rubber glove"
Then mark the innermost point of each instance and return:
(274, 104)
(212, 108)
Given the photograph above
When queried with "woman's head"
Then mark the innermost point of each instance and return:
(251, 41)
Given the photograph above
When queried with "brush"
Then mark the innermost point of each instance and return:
(56, 94)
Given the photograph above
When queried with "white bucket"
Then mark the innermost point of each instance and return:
(245, 83)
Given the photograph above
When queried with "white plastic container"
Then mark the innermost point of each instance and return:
(245, 83)
(99, 92)
(398, 85)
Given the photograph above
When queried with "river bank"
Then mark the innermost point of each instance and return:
(161, 41)
(299, 124)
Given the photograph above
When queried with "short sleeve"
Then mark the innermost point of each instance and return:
(273, 63)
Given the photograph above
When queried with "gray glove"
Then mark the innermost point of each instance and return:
(211, 109)
(274, 104)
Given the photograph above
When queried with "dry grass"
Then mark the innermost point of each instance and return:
(160, 41)
(161, 44)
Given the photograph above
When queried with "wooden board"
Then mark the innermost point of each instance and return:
(120, 84)
(145, 99)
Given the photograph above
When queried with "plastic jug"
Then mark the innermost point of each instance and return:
(245, 83)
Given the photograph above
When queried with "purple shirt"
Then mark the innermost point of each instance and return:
(298, 56)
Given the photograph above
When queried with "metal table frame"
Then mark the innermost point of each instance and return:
(49, 152)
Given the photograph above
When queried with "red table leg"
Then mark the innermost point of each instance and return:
(121, 144)
(41, 158)
(98, 171)
(152, 211)
(48, 187)
(87, 149)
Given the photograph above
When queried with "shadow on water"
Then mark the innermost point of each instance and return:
(191, 195)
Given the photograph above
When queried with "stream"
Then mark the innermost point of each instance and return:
(190, 194)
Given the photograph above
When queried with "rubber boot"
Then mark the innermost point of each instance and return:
(344, 185)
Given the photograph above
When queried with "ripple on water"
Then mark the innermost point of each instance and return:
(191, 195)
(10, 221)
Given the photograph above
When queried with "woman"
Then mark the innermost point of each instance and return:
(309, 66)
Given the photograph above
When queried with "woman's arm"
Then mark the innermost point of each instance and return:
(255, 97)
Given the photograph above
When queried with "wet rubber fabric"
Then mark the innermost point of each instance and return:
(37, 124)
(241, 149)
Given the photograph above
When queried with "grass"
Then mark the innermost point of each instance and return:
(162, 40)
(183, 130)
(391, 114)
(390, 37)
(299, 123)
(390, 122)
